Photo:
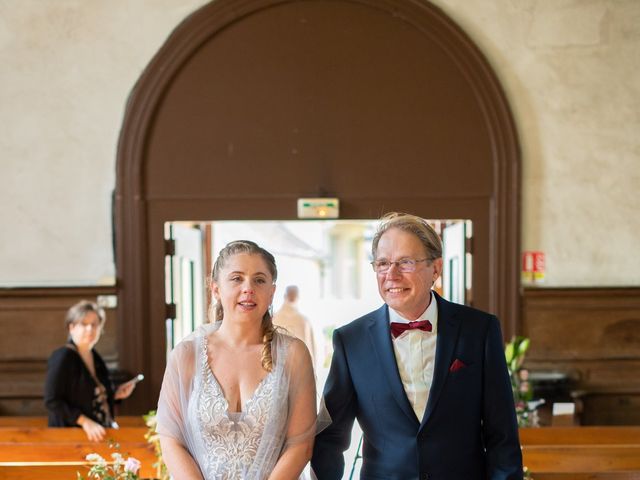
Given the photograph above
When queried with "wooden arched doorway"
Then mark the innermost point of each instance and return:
(249, 105)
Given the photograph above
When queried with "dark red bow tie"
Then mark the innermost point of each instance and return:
(398, 329)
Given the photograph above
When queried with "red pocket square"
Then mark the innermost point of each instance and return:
(456, 365)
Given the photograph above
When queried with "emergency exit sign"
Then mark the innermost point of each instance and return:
(318, 208)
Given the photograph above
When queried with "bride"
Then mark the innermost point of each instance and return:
(238, 398)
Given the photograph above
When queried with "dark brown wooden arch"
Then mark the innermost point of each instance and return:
(250, 104)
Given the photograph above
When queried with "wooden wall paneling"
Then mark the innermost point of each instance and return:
(593, 336)
(599, 323)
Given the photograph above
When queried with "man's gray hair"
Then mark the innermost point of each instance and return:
(411, 224)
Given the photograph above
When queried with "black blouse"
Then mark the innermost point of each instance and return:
(70, 390)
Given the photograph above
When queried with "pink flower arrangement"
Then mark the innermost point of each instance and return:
(132, 465)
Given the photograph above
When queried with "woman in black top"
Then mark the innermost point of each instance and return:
(78, 390)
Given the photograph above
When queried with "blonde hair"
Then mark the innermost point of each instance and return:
(216, 311)
(80, 310)
(411, 224)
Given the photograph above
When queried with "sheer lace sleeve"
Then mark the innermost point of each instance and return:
(292, 418)
(176, 386)
(301, 425)
(181, 378)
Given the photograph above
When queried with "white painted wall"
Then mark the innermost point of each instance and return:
(571, 71)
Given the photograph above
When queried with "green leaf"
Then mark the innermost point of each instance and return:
(508, 352)
(524, 346)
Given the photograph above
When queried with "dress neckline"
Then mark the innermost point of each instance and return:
(243, 409)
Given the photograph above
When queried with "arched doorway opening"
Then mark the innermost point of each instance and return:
(385, 104)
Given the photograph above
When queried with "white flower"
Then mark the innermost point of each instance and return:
(94, 457)
(117, 457)
(132, 465)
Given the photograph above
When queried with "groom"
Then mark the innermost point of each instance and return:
(426, 378)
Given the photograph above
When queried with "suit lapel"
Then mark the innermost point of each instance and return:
(381, 341)
(448, 329)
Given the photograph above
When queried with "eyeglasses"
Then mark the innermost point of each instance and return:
(406, 265)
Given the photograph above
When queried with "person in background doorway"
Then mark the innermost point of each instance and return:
(427, 379)
(78, 390)
(238, 397)
(290, 318)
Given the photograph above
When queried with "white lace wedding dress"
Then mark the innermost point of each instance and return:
(231, 438)
(235, 446)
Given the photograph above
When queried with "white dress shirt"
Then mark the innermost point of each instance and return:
(415, 352)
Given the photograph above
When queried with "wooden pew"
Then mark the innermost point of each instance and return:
(34, 452)
(582, 453)
(41, 421)
(30, 450)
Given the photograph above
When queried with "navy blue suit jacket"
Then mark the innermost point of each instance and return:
(469, 429)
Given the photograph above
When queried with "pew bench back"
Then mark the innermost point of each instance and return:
(30, 450)
(582, 453)
(58, 453)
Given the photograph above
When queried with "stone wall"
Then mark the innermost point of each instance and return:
(570, 70)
